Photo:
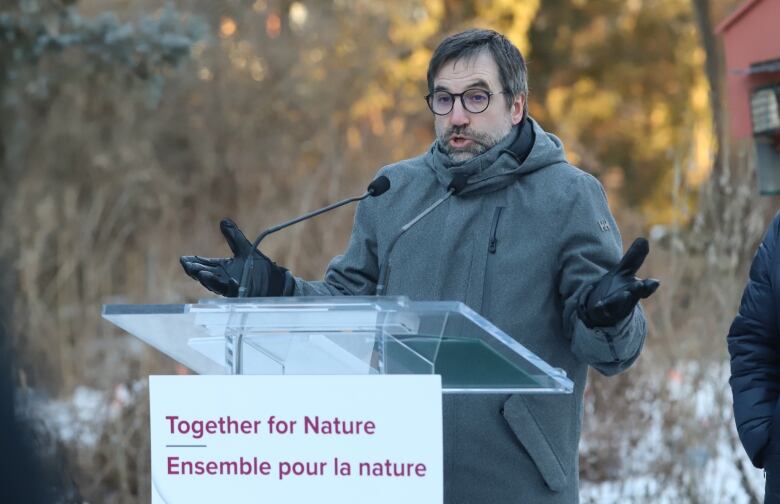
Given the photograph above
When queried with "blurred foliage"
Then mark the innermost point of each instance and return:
(623, 83)
(37, 28)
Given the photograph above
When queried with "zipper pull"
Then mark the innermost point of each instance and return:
(493, 242)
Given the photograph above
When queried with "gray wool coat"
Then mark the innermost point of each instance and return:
(519, 244)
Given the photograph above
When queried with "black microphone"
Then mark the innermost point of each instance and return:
(456, 185)
(377, 187)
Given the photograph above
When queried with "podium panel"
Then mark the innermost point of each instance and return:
(342, 335)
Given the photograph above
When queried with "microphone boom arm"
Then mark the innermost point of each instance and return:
(384, 267)
(306, 216)
(249, 264)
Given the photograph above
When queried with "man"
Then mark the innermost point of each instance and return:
(754, 345)
(528, 241)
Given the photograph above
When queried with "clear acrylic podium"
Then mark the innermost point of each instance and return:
(342, 335)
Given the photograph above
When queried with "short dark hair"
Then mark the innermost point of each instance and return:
(468, 44)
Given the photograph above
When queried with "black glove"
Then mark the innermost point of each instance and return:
(223, 276)
(615, 295)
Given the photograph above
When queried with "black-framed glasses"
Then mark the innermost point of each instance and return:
(473, 100)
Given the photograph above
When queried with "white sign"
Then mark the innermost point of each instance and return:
(296, 439)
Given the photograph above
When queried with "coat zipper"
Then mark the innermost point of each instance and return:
(493, 228)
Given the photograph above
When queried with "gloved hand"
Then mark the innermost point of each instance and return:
(614, 296)
(223, 276)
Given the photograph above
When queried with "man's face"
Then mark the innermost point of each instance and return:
(463, 134)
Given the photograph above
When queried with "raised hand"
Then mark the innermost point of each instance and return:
(614, 296)
(223, 275)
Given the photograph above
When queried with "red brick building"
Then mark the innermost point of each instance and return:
(751, 36)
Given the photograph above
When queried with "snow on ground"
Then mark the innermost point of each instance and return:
(79, 419)
(707, 470)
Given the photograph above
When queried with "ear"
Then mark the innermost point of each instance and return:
(518, 106)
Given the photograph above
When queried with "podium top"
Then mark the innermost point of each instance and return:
(342, 335)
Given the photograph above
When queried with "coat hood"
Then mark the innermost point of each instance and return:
(526, 149)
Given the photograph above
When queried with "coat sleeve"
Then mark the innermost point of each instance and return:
(755, 352)
(356, 271)
(591, 246)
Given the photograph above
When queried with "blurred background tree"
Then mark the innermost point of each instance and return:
(129, 128)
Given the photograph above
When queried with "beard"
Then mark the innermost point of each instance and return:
(480, 141)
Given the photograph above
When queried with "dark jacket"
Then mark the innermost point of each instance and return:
(754, 345)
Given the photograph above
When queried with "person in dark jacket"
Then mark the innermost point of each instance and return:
(754, 345)
(23, 477)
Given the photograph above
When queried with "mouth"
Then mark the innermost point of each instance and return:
(459, 142)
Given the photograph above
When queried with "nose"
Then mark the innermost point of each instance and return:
(459, 116)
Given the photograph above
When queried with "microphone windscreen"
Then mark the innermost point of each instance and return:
(457, 183)
(379, 186)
